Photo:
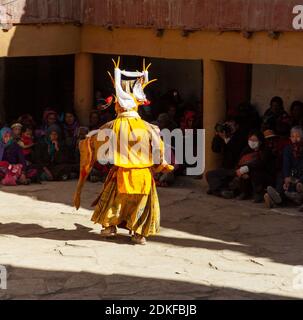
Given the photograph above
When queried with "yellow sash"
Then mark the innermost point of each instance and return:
(134, 181)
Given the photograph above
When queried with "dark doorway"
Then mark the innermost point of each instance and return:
(238, 84)
(33, 84)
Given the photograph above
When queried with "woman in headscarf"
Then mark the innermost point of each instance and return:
(12, 161)
(50, 119)
(256, 168)
(52, 156)
(249, 177)
(188, 120)
(70, 129)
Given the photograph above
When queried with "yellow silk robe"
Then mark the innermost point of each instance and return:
(129, 194)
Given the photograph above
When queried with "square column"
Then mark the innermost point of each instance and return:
(84, 86)
(214, 106)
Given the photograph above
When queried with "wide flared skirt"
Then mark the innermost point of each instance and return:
(137, 212)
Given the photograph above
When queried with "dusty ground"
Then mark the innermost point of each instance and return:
(208, 248)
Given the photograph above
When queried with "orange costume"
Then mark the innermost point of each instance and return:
(129, 197)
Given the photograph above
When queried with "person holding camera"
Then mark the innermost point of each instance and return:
(229, 142)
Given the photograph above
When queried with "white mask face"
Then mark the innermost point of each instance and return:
(253, 144)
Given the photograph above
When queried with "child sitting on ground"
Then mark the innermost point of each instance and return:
(27, 142)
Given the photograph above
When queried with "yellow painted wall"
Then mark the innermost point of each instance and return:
(227, 46)
(40, 41)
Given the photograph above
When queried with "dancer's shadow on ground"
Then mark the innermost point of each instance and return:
(236, 226)
(85, 233)
(80, 233)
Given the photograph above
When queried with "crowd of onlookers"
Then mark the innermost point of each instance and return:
(262, 155)
(32, 151)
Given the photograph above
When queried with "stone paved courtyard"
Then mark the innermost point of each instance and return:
(208, 248)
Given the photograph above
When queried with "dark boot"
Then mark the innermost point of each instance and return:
(227, 194)
(274, 195)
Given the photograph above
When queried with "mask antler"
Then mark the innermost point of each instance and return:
(145, 70)
(144, 66)
(117, 64)
(111, 78)
(148, 83)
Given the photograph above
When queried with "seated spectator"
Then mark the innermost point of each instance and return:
(255, 169)
(16, 131)
(250, 175)
(27, 143)
(296, 113)
(291, 182)
(188, 120)
(70, 129)
(276, 144)
(50, 119)
(230, 143)
(276, 118)
(12, 162)
(94, 120)
(52, 157)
